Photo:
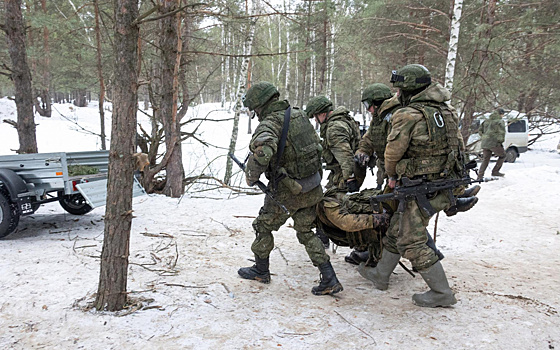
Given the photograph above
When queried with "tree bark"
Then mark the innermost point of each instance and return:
(21, 76)
(111, 293)
(170, 45)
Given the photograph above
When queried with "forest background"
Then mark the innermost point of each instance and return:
(496, 53)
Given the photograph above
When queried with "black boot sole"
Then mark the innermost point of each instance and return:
(330, 290)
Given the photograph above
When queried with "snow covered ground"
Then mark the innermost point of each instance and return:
(502, 260)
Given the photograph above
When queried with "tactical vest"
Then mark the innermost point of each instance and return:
(379, 127)
(302, 154)
(439, 157)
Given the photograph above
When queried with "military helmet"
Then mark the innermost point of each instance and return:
(318, 104)
(411, 77)
(259, 94)
(375, 94)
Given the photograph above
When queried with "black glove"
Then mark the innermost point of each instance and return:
(353, 185)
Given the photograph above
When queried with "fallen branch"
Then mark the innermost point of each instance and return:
(361, 330)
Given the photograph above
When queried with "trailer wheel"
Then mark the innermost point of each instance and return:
(74, 204)
(9, 215)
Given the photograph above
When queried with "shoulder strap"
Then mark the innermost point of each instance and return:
(284, 136)
(281, 145)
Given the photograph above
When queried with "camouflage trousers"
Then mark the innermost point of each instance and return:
(272, 217)
(487, 154)
(407, 234)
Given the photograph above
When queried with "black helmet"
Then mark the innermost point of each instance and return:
(259, 94)
(318, 104)
(411, 77)
(375, 94)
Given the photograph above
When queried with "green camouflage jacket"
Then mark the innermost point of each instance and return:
(340, 137)
(424, 138)
(301, 156)
(492, 131)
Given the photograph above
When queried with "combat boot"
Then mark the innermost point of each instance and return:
(461, 204)
(258, 272)
(439, 294)
(380, 274)
(329, 283)
(356, 257)
(470, 192)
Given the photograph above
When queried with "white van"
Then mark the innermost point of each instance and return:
(516, 139)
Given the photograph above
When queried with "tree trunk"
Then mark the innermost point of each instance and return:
(453, 44)
(170, 45)
(240, 92)
(111, 293)
(44, 107)
(21, 75)
(100, 75)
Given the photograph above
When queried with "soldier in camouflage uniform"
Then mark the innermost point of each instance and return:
(340, 136)
(294, 179)
(423, 143)
(492, 134)
(380, 102)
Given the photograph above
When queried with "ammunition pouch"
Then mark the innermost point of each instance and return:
(298, 186)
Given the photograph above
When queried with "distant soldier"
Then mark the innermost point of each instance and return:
(379, 101)
(492, 134)
(286, 148)
(340, 137)
(423, 143)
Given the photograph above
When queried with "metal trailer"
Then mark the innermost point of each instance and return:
(29, 180)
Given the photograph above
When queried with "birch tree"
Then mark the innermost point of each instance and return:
(242, 81)
(453, 43)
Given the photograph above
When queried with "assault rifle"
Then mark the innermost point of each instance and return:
(420, 189)
(259, 183)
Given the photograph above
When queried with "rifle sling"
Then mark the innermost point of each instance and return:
(281, 146)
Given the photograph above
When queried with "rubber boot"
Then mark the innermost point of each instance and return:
(258, 272)
(439, 294)
(380, 274)
(470, 192)
(461, 205)
(329, 283)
